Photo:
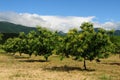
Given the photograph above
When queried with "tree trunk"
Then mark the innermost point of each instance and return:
(85, 64)
(46, 58)
(30, 55)
(20, 54)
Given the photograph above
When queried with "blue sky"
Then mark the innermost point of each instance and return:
(103, 10)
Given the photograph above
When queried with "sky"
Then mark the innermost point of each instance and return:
(61, 14)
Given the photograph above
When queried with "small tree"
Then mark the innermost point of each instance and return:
(21, 47)
(11, 45)
(95, 44)
(67, 44)
(46, 38)
(116, 41)
(86, 44)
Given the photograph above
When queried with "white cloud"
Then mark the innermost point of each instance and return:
(60, 23)
(108, 25)
(22, 18)
(111, 25)
(65, 23)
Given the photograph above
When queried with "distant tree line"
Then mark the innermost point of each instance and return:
(5, 36)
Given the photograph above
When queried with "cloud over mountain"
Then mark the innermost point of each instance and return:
(60, 23)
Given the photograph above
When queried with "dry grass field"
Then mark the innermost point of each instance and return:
(35, 68)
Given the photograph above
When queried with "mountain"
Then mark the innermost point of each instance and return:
(7, 27)
(10, 30)
(117, 32)
(61, 33)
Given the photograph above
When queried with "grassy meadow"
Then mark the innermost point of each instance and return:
(35, 68)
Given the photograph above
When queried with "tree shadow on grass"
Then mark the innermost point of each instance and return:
(67, 69)
(20, 57)
(113, 63)
(33, 61)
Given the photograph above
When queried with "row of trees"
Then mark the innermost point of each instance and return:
(40, 42)
(116, 41)
(86, 44)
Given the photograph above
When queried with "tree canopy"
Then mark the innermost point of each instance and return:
(86, 44)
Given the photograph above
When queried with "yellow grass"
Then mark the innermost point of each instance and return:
(35, 68)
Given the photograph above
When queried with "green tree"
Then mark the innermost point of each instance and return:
(116, 41)
(29, 43)
(86, 44)
(10, 45)
(1, 35)
(21, 47)
(95, 44)
(40, 42)
(68, 43)
(46, 38)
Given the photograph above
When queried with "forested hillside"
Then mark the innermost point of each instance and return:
(6, 27)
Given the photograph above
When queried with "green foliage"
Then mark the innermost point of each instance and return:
(85, 45)
(6, 27)
(8, 35)
(116, 41)
(11, 45)
(35, 42)
(47, 42)
(1, 35)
